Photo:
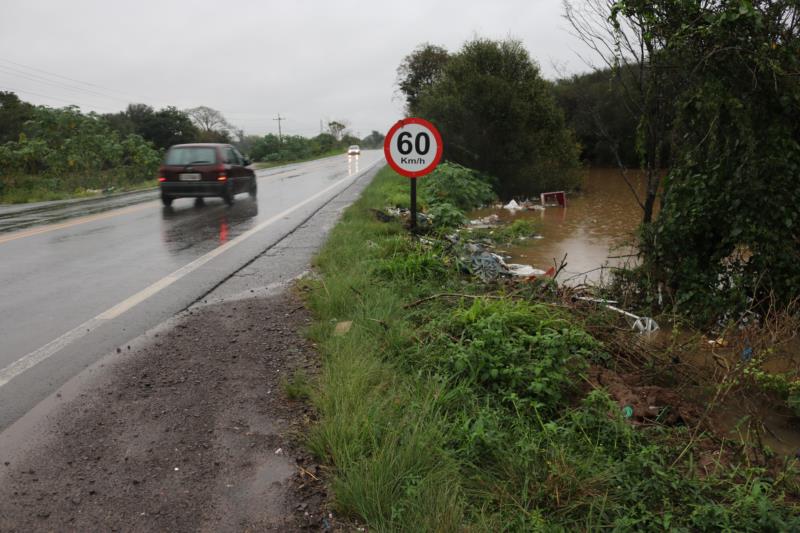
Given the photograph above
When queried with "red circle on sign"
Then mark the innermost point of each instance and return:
(387, 142)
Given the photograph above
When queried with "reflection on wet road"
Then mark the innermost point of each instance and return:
(56, 277)
(187, 230)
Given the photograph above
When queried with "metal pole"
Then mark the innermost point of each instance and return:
(413, 204)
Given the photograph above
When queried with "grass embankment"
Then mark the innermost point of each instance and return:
(29, 188)
(472, 412)
(271, 164)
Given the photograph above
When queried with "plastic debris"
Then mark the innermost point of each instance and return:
(512, 206)
(488, 266)
(485, 222)
(524, 271)
(342, 328)
(642, 324)
(627, 411)
(747, 354)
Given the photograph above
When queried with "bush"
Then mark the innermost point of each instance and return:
(518, 353)
(462, 187)
(446, 216)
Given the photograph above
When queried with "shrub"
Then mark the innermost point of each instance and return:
(459, 186)
(518, 353)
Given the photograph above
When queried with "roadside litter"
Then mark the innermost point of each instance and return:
(488, 266)
(524, 271)
(642, 324)
(485, 222)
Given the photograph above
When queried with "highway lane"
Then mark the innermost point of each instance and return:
(74, 290)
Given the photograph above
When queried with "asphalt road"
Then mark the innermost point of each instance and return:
(79, 287)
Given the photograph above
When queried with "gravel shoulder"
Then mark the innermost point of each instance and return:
(191, 433)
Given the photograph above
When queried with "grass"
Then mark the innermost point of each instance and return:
(35, 188)
(471, 413)
(271, 164)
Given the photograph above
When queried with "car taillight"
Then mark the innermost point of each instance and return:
(162, 178)
(222, 176)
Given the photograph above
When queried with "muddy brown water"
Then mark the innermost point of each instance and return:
(594, 230)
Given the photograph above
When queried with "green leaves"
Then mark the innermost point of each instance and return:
(65, 142)
(497, 114)
(519, 354)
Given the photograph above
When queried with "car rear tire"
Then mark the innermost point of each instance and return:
(166, 200)
(229, 195)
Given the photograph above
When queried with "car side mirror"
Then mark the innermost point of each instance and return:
(247, 161)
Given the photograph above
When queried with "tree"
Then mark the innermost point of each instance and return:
(163, 128)
(627, 44)
(729, 227)
(373, 140)
(209, 120)
(13, 115)
(337, 128)
(595, 108)
(497, 114)
(168, 126)
(419, 71)
(325, 142)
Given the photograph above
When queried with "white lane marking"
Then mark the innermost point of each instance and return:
(28, 361)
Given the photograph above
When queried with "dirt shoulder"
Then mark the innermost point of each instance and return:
(191, 432)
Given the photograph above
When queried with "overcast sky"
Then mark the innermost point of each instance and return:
(308, 60)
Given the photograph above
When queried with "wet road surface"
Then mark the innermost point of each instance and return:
(77, 289)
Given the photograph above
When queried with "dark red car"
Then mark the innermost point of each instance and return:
(200, 170)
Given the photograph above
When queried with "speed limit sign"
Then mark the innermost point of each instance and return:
(413, 147)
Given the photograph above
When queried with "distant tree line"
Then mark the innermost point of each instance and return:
(48, 153)
(271, 148)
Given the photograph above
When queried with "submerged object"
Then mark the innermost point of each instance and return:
(558, 198)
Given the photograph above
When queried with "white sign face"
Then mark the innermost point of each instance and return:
(413, 147)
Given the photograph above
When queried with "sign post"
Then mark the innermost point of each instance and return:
(413, 147)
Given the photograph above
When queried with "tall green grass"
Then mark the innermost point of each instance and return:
(471, 414)
(20, 189)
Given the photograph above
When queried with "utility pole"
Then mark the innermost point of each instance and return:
(279, 119)
(320, 126)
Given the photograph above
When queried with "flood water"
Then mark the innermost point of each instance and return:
(594, 230)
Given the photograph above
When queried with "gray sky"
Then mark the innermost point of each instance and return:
(305, 59)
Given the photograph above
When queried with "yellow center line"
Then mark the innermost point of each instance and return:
(74, 222)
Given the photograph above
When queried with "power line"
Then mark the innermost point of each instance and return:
(60, 85)
(70, 102)
(28, 67)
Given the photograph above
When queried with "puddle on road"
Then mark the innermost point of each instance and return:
(597, 223)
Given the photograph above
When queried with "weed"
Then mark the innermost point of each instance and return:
(298, 387)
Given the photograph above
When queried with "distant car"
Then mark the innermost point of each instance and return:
(354, 150)
(201, 170)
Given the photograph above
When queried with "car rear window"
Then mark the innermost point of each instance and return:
(191, 155)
